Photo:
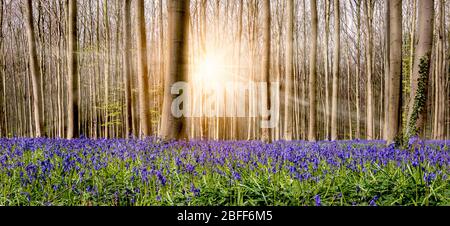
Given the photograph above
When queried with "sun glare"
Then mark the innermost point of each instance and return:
(209, 68)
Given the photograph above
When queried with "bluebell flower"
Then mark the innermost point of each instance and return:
(317, 200)
(373, 202)
(195, 190)
(236, 175)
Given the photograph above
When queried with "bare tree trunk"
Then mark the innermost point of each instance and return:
(442, 93)
(3, 119)
(265, 101)
(387, 71)
(143, 84)
(237, 78)
(327, 109)
(358, 69)
(395, 70)
(172, 127)
(349, 107)
(35, 70)
(312, 74)
(127, 65)
(162, 59)
(369, 66)
(412, 37)
(304, 78)
(289, 89)
(420, 76)
(106, 67)
(336, 62)
(72, 68)
(440, 76)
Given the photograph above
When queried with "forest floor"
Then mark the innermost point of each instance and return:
(150, 172)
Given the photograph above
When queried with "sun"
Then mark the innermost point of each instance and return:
(214, 66)
(210, 67)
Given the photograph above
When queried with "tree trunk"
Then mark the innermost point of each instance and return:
(369, 66)
(349, 107)
(387, 71)
(265, 100)
(106, 67)
(327, 109)
(312, 74)
(172, 127)
(358, 69)
(35, 70)
(127, 65)
(395, 71)
(440, 76)
(72, 68)
(143, 84)
(420, 76)
(289, 90)
(336, 61)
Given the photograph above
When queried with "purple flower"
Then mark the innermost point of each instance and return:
(236, 175)
(161, 178)
(195, 190)
(317, 200)
(373, 202)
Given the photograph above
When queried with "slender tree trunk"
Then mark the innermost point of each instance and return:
(162, 60)
(72, 68)
(349, 107)
(304, 78)
(420, 76)
(35, 71)
(336, 62)
(387, 72)
(358, 69)
(289, 87)
(312, 74)
(143, 84)
(369, 67)
(106, 67)
(395, 71)
(127, 65)
(235, 126)
(412, 37)
(440, 76)
(327, 109)
(265, 100)
(172, 127)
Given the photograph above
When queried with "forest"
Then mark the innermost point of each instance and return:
(218, 90)
(100, 70)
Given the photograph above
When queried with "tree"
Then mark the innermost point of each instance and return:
(143, 84)
(312, 74)
(172, 127)
(395, 70)
(127, 65)
(369, 4)
(106, 67)
(336, 62)
(289, 90)
(439, 76)
(327, 110)
(358, 68)
(387, 70)
(72, 69)
(265, 101)
(420, 76)
(34, 70)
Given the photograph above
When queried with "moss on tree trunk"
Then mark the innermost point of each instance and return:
(420, 98)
